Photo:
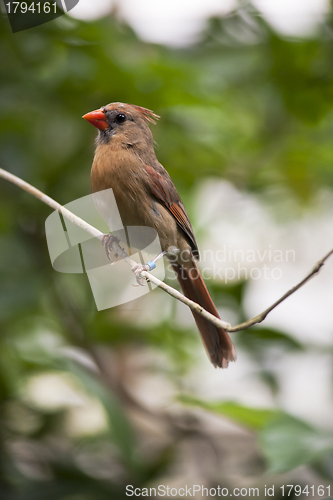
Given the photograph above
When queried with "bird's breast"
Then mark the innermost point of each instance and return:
(125, 174)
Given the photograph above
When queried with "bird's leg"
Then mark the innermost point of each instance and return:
(138, 268)
(107, 241)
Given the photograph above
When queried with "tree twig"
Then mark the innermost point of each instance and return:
(262, 316)
(150, 277)
(116, 247)
(51, 203)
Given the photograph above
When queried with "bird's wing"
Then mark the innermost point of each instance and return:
(163, 189)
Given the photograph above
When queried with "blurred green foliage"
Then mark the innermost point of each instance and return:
(242, 104)
(286, 442)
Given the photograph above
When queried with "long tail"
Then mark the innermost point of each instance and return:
(216, 340)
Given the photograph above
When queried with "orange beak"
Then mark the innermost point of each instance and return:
(97, 118)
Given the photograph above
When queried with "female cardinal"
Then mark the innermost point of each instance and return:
(125, 161)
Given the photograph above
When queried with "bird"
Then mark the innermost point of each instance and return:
(145, 194)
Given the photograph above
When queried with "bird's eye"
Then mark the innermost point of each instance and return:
(120, 118)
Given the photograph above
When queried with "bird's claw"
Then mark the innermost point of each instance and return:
(138, 269)
(107, 241)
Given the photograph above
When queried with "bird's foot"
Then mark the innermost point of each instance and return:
(107, 241)
(139, 268)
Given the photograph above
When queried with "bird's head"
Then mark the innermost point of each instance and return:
(126, 122)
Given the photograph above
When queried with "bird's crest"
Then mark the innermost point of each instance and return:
(149, 115)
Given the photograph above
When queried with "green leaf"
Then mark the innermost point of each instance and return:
(253, 418)
(121, 429)
(259, 339)
(288, 442)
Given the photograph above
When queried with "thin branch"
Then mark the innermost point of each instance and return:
(150, 277)
(51, 203)
(98, 234)
(262, 316)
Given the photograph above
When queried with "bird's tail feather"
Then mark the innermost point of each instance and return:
(216, 340)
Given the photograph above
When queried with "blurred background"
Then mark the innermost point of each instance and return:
(93, 401)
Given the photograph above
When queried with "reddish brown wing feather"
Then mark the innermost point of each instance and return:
(159, 186)
(180, 217)
(164, 190)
